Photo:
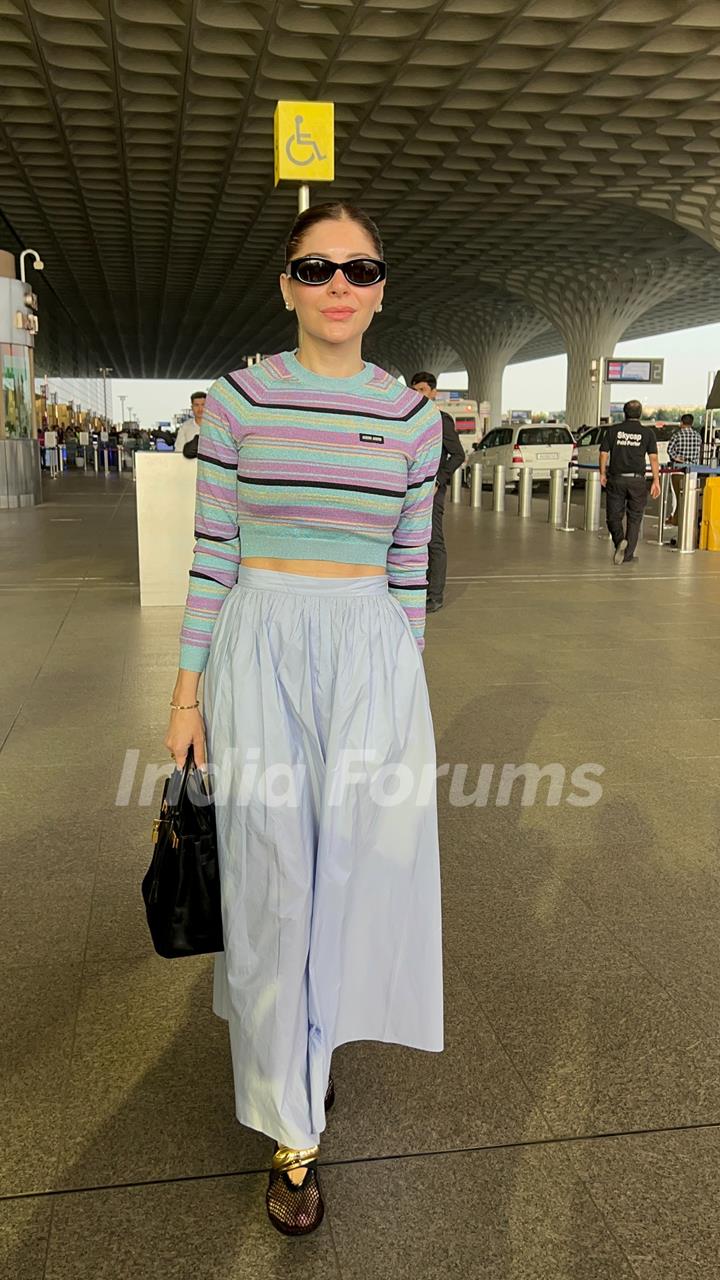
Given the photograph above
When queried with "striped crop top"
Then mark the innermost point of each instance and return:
(293, 465)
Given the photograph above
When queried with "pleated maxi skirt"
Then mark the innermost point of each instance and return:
(323, 759)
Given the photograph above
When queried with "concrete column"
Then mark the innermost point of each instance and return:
(593, 310)
(487, 337)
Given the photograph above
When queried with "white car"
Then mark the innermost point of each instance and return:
(588, 446)
(543, 447)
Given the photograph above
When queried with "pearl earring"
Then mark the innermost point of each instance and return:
(289, 306)
(379, 309)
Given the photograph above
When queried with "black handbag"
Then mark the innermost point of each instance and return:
(181, 888)
(190, 449)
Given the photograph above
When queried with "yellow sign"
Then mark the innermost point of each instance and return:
(305, 142)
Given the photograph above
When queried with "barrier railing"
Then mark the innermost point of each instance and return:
(561, 489)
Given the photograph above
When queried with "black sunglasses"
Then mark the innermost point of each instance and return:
(358, 271)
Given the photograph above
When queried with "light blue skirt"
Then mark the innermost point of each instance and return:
(323, 760)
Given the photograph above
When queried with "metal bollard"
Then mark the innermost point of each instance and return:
(456, 486)
(106, 460)
(499, 488)
(525, 490)
(567, 527)
(96, 463)
(476, 474)
(555, 500)
(664, 487)
(593, 490)
(133, 465)
(687, 518)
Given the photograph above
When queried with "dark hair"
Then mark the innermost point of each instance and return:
(424, 377)
(633, 409)
(688, 417)
(198, 395)
(334, 211)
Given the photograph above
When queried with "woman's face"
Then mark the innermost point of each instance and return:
(337, 312)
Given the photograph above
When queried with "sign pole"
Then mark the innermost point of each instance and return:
(303, 198)
(600, 387)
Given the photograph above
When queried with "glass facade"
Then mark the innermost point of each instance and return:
(16, 408)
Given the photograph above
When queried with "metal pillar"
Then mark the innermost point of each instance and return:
(303, 198)
(525, 489)
(555, 500)
(456, 486)
(664, 488)
(687, 518)
(567, 527)
(499, 488)
(476, 474)
(593, 490)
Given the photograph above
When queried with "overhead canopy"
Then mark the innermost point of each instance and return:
(498, 143)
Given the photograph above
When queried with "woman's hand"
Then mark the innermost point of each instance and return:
(186, 729)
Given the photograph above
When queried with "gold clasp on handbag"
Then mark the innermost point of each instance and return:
(157, 824)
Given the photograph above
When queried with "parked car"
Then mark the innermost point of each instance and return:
(543, 447)
(588, 446)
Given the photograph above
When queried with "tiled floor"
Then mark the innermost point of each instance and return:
(571, 1129)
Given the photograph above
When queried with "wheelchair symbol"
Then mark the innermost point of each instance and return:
(300, 139)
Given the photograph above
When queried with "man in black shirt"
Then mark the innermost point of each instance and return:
(452, 456)
(623, 450)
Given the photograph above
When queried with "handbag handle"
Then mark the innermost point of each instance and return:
(188, 765)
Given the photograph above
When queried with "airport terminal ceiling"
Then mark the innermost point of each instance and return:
(523, 159)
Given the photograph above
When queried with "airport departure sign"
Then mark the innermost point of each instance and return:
(633, 370)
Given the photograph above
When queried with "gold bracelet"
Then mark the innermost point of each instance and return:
(176, 706)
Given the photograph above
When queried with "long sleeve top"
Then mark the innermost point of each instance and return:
(452, 454)
(293, 465)
(685, 446)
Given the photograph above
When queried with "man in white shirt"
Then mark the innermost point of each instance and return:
(190, 429)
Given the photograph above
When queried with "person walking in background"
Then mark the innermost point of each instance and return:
(190, 430)
(623, 450)
(451, 457)
(684, 449)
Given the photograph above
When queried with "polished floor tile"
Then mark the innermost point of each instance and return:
(24, 1234)
(149, 1092)
(38, 1008)
(520, 1215)
(207, 1230)
(659, 1194)
(582, 967)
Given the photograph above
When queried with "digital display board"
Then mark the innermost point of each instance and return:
(649, 371)
(465, 425)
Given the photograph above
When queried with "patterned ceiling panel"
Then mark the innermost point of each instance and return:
(510, 149)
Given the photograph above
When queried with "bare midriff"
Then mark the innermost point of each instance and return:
(314, 568)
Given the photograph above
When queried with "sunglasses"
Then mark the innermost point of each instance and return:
(358, 271)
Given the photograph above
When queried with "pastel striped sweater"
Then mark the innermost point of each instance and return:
(292, 465)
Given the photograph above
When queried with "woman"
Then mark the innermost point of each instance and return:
(321, 468)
